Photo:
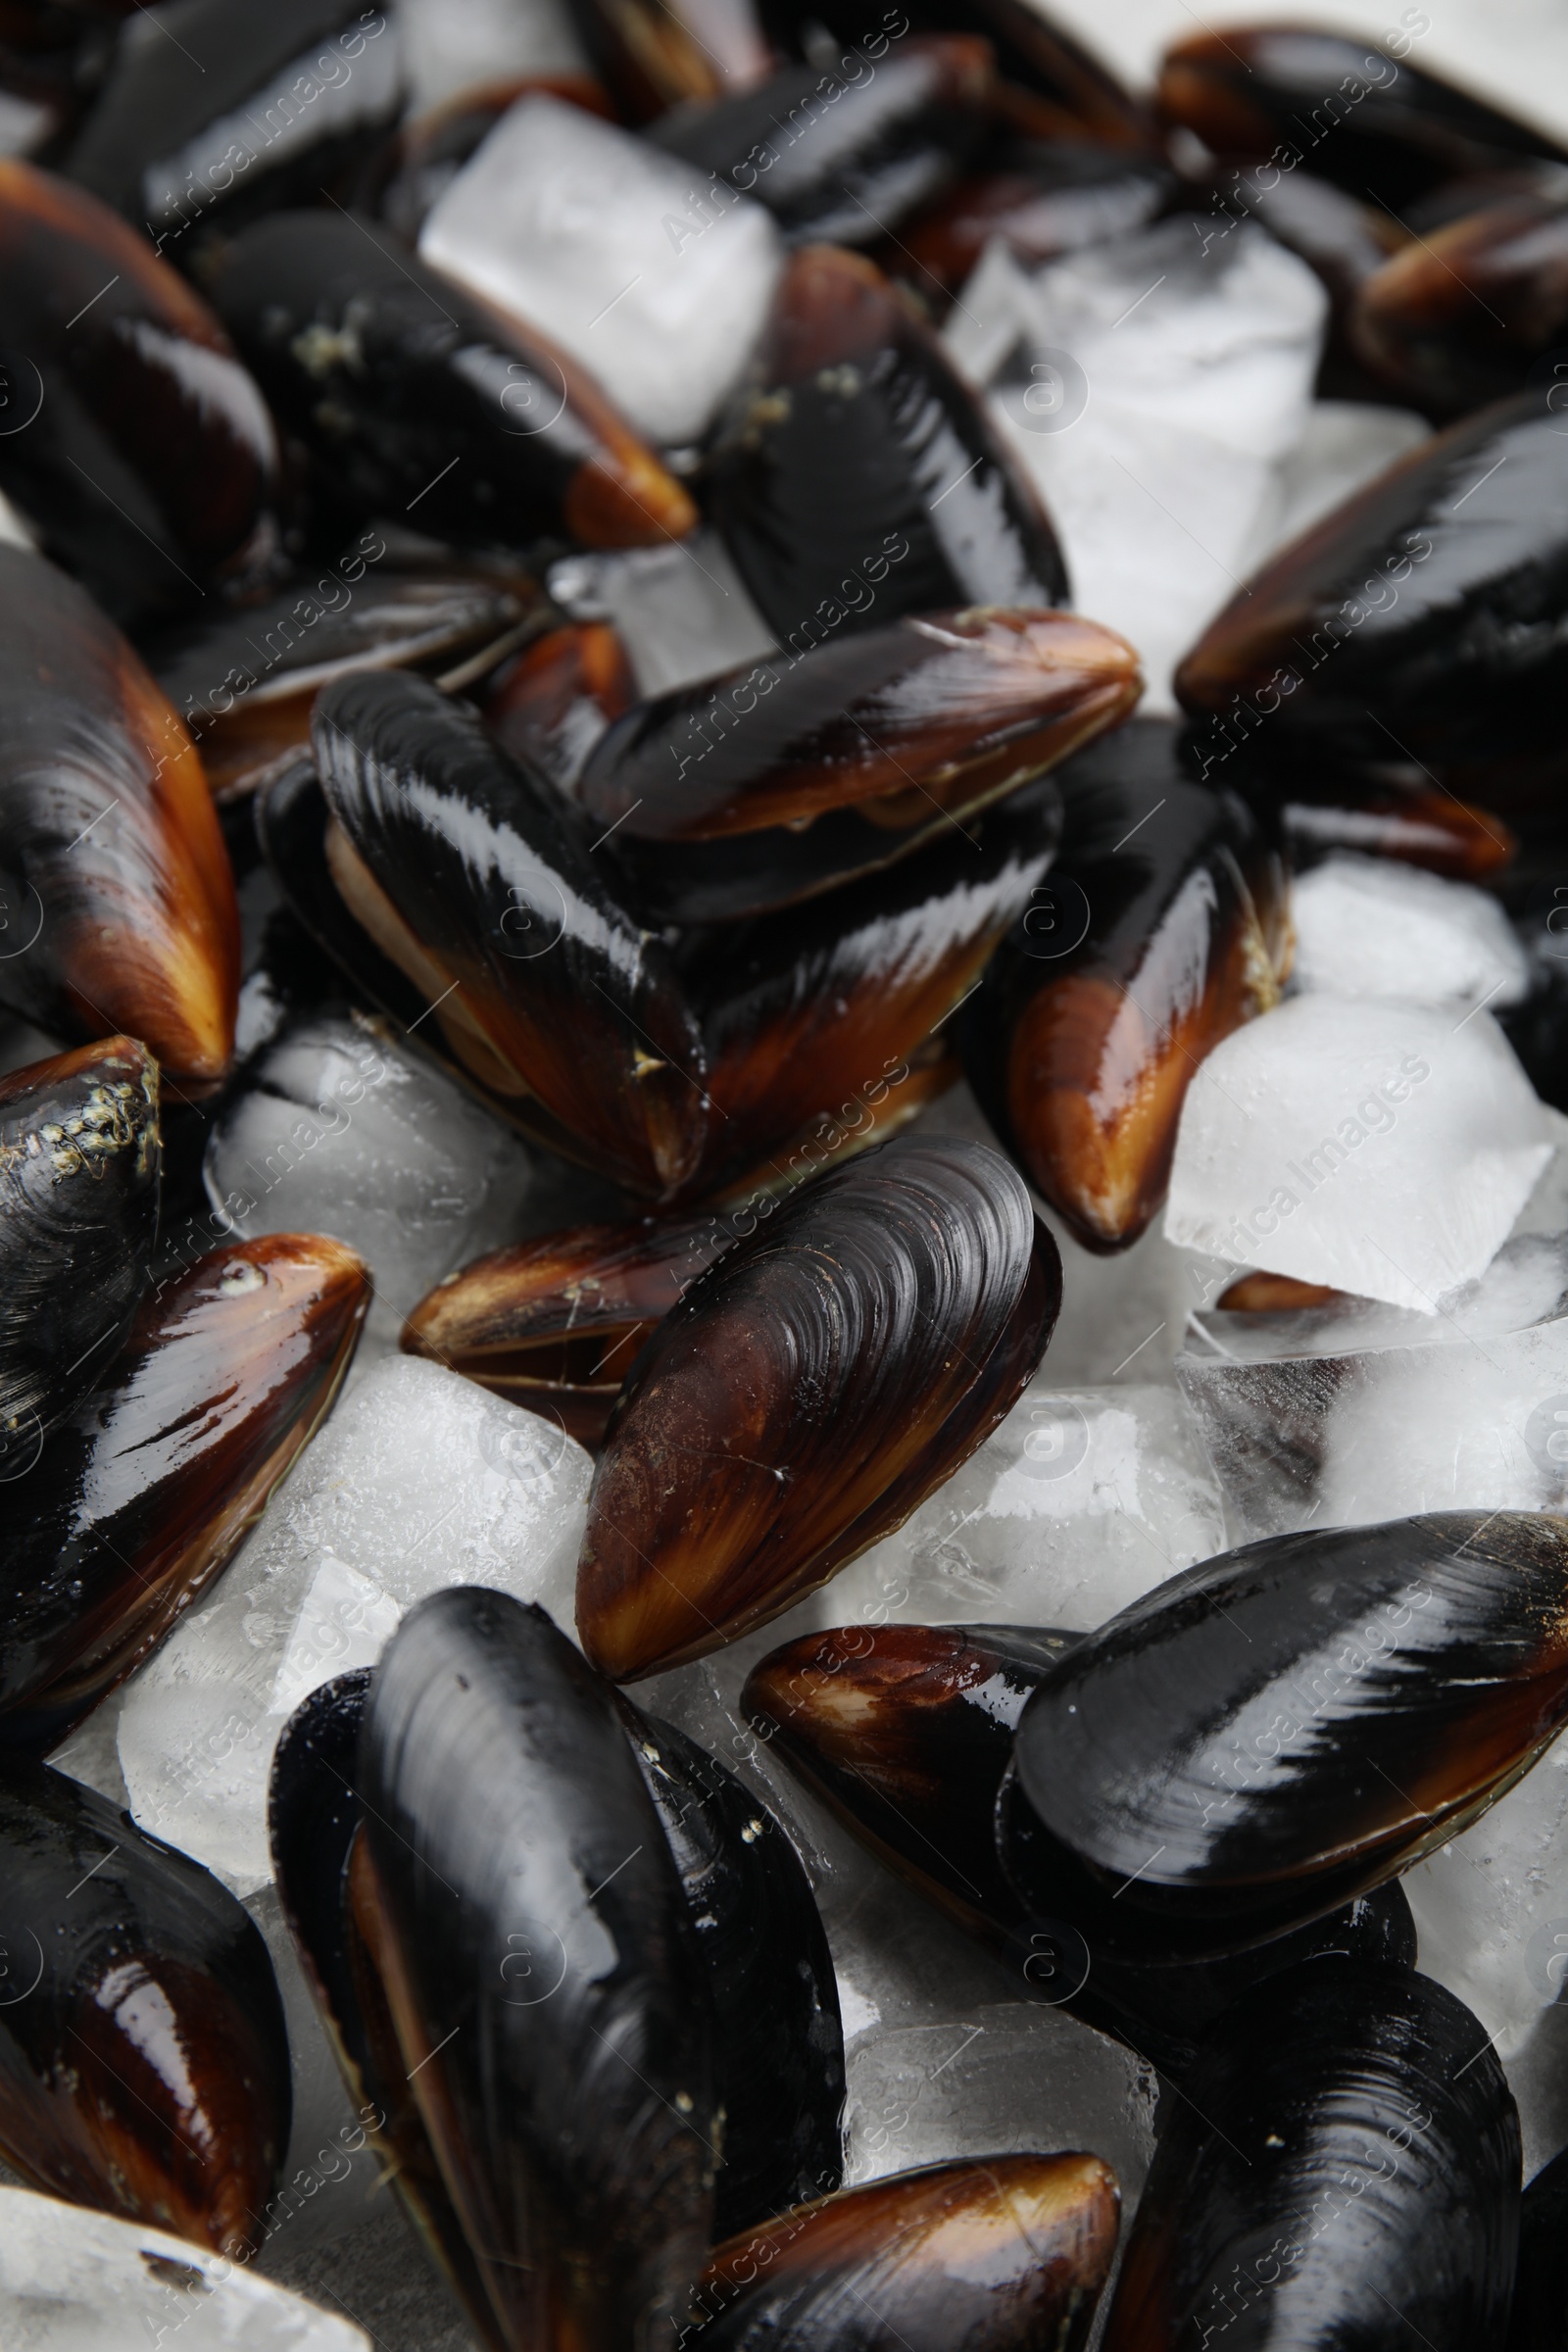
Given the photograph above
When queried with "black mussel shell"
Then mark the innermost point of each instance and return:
(410, 392)
(1265, 1737)
(81, 1163)
(654, 54)
(292, 824)
(541, 1971)
(780, 2086)
(1415, 636)
(807, 1393)
(409, 175)
(994, 2255)
(844, 166)
(1316, 815)
(1161, 927)
(1540, 2322)
(553, 703)
(491, 875)
(238, 110)
(1457, 317)
(144, 2067)
(118, 895)
(1043, 197)
(1367, 119)
(1344, 2171)
(141, 1497)
(135, 443)
(854, 436)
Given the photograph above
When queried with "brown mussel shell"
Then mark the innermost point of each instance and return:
(654, 54)
(541, 1971)
(1456, 318)
(144, 2066)
(994, 2255)
(140, 1498)
(1414, 635)
(1268, 1736)
(1344, 2171)
(487, 874)
(111, 863)
(80, 1169)
(556, 1323)
(1161, 928)
(1043, 197)
(854, 477)
(554, 702)
(411, 392)
(1315, 816)
(807, 1393)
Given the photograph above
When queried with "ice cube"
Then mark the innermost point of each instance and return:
(682, 611)
(1082, 1502)
(653, 277)
(343, 1130)
(452, 45)
(73, 2280)
(1344, 445)
(1376, 1147)
(418, 1480)
(1372, 927)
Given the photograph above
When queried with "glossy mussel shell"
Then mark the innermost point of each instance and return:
(411, 392)
(1345, 2171)
(552, 704)
(541, 1972)
(135, 441)
(1043, 197)
(1268, 1736)
(81, 1167)
(1456, 318)
(654, 54)
(486, 871)
(144, 2067)
(807, 1393)
(118, 886)
(994, 2255)
(855, 438)
(142, 1495)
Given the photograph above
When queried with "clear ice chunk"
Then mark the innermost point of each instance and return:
(1372, 927)
(682, 612)
(1376, 1147)
(452, 45)
(1344, 445)
(656, 278)
(341, 1129)
(419, 1479)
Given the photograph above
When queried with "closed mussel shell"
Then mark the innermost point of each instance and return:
(1268, 1736)
(654, 54)
(807, 1393)
(855, 445)
(541, 1972)
(141, 1497)
(1004, 2252)
(110, 848)
(485, 868)
(1043, 197)
(1344, 2171)
(81, 1163)
(554, 702)
(144, 2067)
(1456, 318)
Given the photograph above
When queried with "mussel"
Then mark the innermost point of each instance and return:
(994, 2255)
(1540, 2290)
(856, 478)
(80, 1165)
(137, 1501)
(1161, 928)
(1043, 197)
(117, 897)
(1456, 318)
(143, 2064)
(806, 1394)
(1344, 2171)
(1271, 1734)
(554, 702)
(1316, 815)
(413, 395)
(654, 54)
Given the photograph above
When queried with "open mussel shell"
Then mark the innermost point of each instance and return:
(1371, 122)
(554, 702)
(80, 1165)
(1414, 635)
(1269, 1734)
(410, 391)
(148, 466)
(856, 478)
(1042, 197)
(654, 54)
(117, 883)
(484, 871)
(762, 1943)
(541, 1972)
(807, 1393)
(1344, 2171)
(144, 2067)
(1161, 928)
(1456, 318)
(137, 1501)
(556, 1323)
(996, 2254)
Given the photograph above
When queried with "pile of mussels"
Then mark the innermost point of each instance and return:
(302, 440)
